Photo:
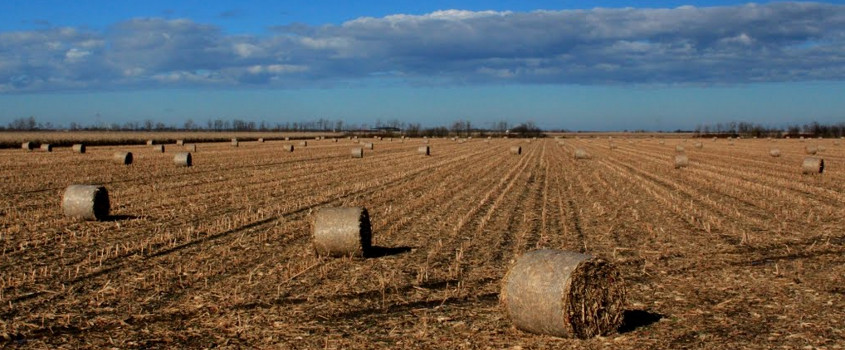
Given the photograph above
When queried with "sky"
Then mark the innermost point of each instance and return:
(599, 65)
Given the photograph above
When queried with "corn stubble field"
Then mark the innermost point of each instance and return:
(736, 250)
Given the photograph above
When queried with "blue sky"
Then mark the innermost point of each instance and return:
(605, 65)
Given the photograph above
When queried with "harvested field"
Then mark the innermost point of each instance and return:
(738, 250)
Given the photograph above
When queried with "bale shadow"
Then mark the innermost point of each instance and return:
(379, 252)
(111, 218)
(633, 319)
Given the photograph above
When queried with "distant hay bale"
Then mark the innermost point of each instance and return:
(183, 159)
(124, 158)
(303, 143)
(288, 148)
(79, 148)
(715, 138)
(46, 147)
(29, 146)
(87, 202)
(612, 145)
(357, 152)
(820, 148)
(424, 150)
(516, 150)
(191, 147)
(425, 141)
(150, 142)
(563, 294)
(681, 161)
(730, 143)
(234, 142)
(661, 142)
(836, 142)
(368, 145)
(774, 152)
(260, 140)
(811, 149)
(342, 231)
(334, 139)
(679, 149)
(158, 148)
(812, 165)
(287, 138)
(698, 145)
(180, 142)
(580, 153)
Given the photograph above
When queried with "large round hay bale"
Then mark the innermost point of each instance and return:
(424, 150)
(180, 142)
(564, 294)
(774, 152)
(681, 161)
(679, 149)
(811, 149)
(158, 148)
(46, 147)
(303, 143)
(124, 158)
(191, 148)
(89, 202)
(516, 150)
(357, 152)
(182, 159)
(288, 148)
(580, 153)
(29, 146)
(342, 231)
(79, 148)
(812, 165)
(235, 143)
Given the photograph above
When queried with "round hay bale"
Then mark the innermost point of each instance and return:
(424, 150)
(715, 138)
(288, 148)
(679, 149)
(234, 142)
(836, 142)
(698, 145)
(79, 148)
(180, 142)
(124, 158)
(563, 294)
(46, 147)
(88, 202)
(811, 149)
(661, 142)
(425, 141)
(343, 231)
(820, 148)
(358, 153)
(260, 140)
(368, 145)
(182, 159)
(812, 165)
(150, 142)
(158, 148)
(29, 146)
(334, 139)
(287, 138)
(516, 150)
(612, 145)
(191, 148)
(681, 161)
(303, 143)
(580, 153)
(774, 152)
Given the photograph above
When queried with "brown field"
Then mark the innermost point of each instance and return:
(736, 250)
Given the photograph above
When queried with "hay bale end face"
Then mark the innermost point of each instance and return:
(28, 146)
(580, 153)
(183, 159)
(124, 158)
(88, 202)
(681, 161)
(46, 147)
(516, 150)
(158, 148)
(812, 165)
(774, 152)
(563, 294)
(357, 153)
(342, 232)
(424, 150)
(79, 148)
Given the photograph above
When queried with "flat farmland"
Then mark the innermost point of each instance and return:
(736, 250)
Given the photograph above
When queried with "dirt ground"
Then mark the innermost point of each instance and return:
(737, 250)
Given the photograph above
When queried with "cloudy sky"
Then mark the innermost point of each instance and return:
(599, 65)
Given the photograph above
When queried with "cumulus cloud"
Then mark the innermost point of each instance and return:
(685, 45)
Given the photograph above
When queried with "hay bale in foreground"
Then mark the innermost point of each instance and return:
(343, 231)
(424, 150)
(79, 148)
(681, 161)
(564, 294)
(516, 150)
(46, 147)
(88, 202)
(580, 153)
(235, 143)
(158, 148)
(124, 158)
(357, 153)
(182, 159)
(811, 149)
(774, 152)
(812, 165)
(288, 148)
(29, 146)
(191, 148)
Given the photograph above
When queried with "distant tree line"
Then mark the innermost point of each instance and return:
(460, 128)
(735, 129)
